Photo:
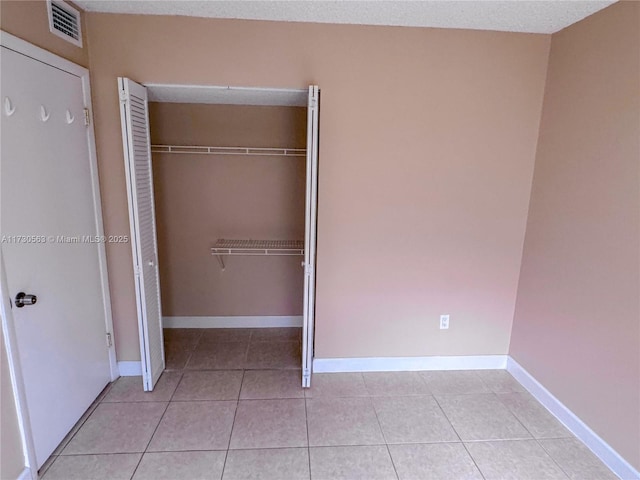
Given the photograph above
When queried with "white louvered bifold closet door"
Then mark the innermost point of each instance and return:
(137, 153)
(308, 313)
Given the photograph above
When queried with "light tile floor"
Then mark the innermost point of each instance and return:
(230, 406)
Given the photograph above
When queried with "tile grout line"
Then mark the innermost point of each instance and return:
(175, 390)
(159, 422)
(425, 383)
(133, 474)
(475, 374)
(382, 444)
(464, 445)
(188, 351)
(135, 453)
(181, 371)
(384, 437)
(233, 424)
(153, 434)
(459, 437)
(516, 417)
(186, 362)
(245, 360)
(497, 394)
(306, 419)
(531, 437)
(513, 414)
(192, 351)
(554, 460)
(81, 422)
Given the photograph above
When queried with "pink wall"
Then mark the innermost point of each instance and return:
(203, 197)
(577, 322)
(427, 147)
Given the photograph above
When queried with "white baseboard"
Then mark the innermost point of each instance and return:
(400, 364)
(25, 474)
(130, 369)
(233, 322)
(597, 445)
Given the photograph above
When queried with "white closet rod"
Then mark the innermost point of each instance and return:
(201, 150)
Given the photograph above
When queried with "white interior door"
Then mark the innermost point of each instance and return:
(47, 217)
(308, 313)
(137, 154)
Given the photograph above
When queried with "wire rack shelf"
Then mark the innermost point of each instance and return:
(224, 247)
(203, 150)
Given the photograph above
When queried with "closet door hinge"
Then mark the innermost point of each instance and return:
(87, 117)
(308, 269)
(123, 96)
(109, 340)
(137, 270)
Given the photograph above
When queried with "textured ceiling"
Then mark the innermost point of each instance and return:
(533, 16)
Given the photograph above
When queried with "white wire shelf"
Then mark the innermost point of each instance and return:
(203, 150)
(225, 246)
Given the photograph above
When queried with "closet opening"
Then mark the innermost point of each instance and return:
(222, 185)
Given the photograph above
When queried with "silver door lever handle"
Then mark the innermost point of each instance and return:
(23, 299)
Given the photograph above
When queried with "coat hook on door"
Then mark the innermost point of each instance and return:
(70, 117)
(43, 113)
(9, 109)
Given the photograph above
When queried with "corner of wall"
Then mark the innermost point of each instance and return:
(531, 184)
(580, 256)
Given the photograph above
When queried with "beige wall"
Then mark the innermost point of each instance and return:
(29, 20)
(577, 322)
(200, 198)
(11, 455)
(427, 147)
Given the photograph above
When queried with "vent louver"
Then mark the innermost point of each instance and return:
(64, 21)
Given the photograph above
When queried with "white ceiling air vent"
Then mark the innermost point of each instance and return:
(64, 21)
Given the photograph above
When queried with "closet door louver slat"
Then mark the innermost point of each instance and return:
(137, 150)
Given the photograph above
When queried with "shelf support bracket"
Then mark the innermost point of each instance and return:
(219, 257)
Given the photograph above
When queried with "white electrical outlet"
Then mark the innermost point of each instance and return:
(444, 322)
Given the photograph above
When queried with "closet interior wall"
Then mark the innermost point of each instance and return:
(202, 197)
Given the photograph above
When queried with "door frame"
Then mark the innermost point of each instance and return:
(203, 94)
(25, 48)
